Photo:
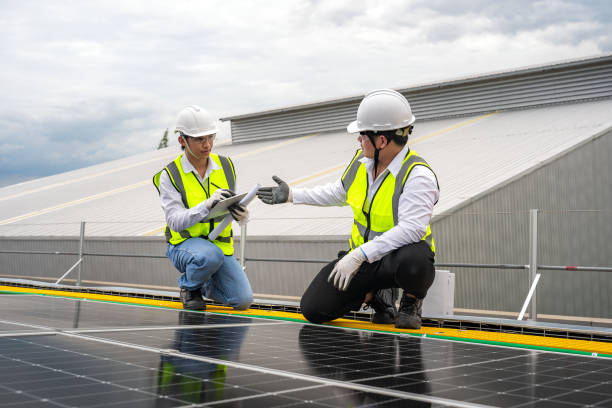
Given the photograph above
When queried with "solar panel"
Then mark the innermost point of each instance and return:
(115, 355)
(70, 313)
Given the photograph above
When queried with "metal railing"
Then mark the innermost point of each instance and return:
(533, 267)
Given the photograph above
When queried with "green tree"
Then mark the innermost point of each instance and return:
(164, 141)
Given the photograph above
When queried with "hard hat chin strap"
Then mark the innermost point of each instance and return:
(400, 136)
(376, 152)
(190, 152)
(187, 146)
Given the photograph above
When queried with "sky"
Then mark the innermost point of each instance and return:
(84, 82)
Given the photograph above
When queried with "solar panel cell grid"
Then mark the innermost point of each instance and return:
(73, 372)
(237, 361)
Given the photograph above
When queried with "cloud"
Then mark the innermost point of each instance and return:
(85, 82)
(80, 133)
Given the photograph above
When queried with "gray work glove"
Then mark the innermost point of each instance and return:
(218, 195)
(239, 213)
(274, 195)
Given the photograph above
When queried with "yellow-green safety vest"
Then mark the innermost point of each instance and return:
(381, 214)
(193, 192)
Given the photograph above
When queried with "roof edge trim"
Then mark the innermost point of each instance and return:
(494, 75)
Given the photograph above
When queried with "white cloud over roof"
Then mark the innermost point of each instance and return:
(86, 82)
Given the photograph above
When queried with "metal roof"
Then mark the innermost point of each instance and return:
(557, 83)
(471, 156)
(605, 58)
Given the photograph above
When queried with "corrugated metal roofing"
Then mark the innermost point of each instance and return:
(571, 81)
(471, 155)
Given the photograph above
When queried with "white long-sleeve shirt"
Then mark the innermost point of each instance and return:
(178, 217)
(415, 206)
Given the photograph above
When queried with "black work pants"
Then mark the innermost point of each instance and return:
(410, 267)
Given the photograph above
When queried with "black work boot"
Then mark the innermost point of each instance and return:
(409, 316)
(383, 303)
(192, 299)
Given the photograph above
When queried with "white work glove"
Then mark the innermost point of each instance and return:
(218, 195)
(345, 269)
(239, 213)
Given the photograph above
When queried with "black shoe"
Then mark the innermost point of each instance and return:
(192, 299)
(409, 316)
(383, 304)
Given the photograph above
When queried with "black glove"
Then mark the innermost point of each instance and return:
(274, 195)
(239, 213)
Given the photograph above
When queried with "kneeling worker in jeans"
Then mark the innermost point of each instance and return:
(189, 187)
(392, 192)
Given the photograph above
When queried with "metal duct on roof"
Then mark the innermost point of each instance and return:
(295, 123)
(587, 79)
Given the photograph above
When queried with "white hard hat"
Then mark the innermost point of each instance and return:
(195, 121)
(382, 109)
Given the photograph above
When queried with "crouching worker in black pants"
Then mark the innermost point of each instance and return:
(392, 192)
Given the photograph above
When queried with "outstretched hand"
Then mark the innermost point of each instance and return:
(274, 195)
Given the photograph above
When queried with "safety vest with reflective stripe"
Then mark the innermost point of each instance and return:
(193, 192)
(370, 221)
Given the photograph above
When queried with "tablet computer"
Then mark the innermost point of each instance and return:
(220, 209)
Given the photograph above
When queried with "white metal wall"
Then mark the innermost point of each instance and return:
(574, 196)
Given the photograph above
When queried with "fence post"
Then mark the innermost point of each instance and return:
(534, 276)
(78, 282)
(243, 234)
(533, 260)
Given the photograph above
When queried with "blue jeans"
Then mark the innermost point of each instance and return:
(204, 267)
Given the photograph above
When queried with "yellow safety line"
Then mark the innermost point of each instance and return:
(510, 339)
(420, 139)
(153, 232)
(317, 175)
(274, 146)
(448, 129)
(74, 202)
(120, 189)
(91, 296)
(495, 337)
(74, 180)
